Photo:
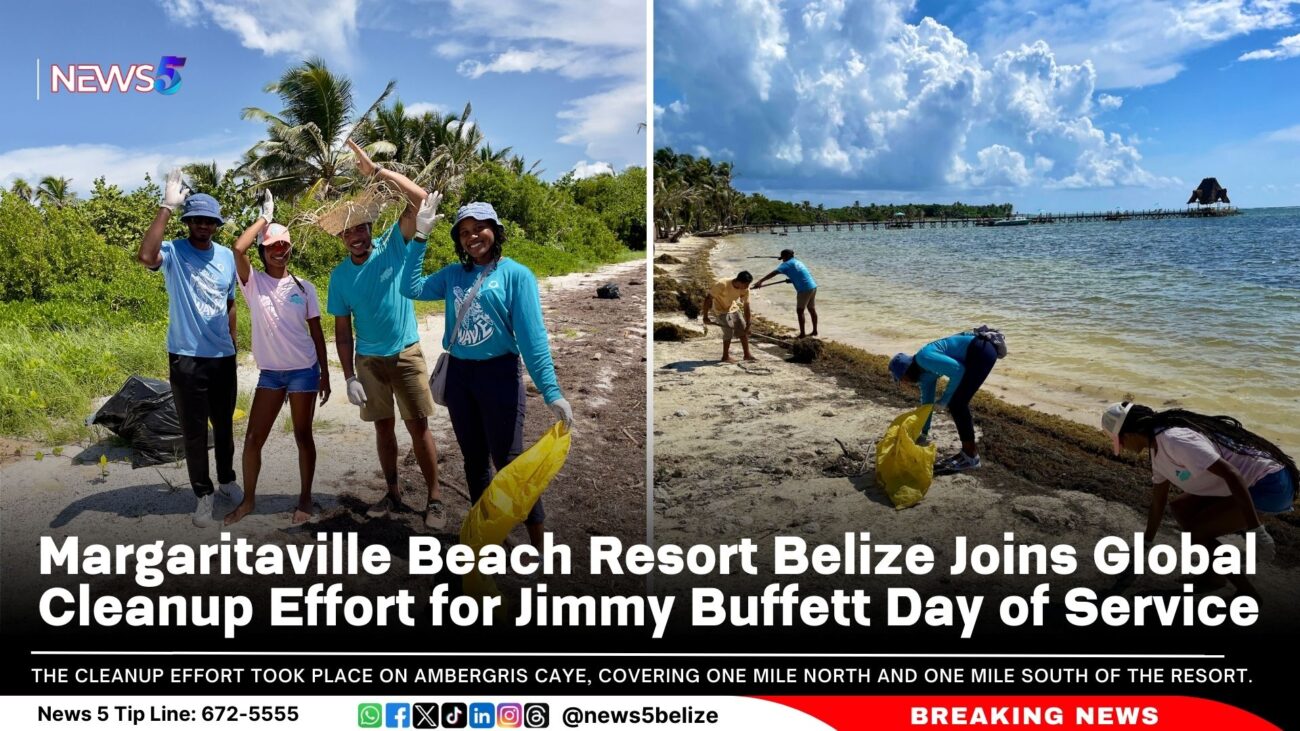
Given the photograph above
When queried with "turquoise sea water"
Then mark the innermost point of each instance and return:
(1203, 313)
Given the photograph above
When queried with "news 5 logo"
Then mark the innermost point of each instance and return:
(453, 715)
(88, 78)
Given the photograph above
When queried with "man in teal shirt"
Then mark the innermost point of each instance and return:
(805, 288)
(365, 297)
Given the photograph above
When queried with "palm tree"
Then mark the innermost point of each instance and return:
(520, 167)
(489, 156)
(56, 192)
(304, 150)
(22, 189)
(202, 177)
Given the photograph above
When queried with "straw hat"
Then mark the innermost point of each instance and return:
(364, 208)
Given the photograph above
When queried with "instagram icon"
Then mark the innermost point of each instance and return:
(509, 715)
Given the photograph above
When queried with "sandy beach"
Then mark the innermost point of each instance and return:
(599, 351)
(772, 447)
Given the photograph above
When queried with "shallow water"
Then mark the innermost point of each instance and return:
(1202, 313)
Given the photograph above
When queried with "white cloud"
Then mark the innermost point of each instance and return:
(420, 108)
(1130, 42)
(293, 28)
(1288, 134)
(857, 98)
(574, 40)
(999, 166)
(585, 169)
(568, 62)
(1288, 47)
(121, 166)
(606, 123)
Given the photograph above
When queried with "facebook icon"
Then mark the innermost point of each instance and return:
(482, 715)
(397, 715)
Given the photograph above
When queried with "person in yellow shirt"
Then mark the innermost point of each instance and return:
(728, 304)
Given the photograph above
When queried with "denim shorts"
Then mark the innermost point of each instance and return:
(303, 380)
(1274, 492)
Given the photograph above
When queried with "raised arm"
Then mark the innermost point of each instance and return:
(416, 284)
(243, 267)
(150, 253)
(414, 194)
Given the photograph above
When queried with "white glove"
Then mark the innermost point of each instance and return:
(267, 204)
(356, 392)
(563, 411)
(173, 190)
(1264, 545)
(427, 216)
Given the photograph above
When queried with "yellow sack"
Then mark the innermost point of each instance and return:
(506, 502)
(904, 469)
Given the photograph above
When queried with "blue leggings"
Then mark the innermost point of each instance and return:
(486, 401)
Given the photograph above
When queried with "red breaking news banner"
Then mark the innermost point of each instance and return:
(884, 713)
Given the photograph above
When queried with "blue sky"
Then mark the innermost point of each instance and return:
(1049, 105)
(559, 80)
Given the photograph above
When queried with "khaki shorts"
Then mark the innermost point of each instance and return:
(803, 299)
(403, 376)
(730, 323)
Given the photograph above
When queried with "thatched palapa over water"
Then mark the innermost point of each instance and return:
(1208, 193)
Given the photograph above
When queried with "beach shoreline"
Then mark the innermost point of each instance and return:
(774, 447)
(777, 304)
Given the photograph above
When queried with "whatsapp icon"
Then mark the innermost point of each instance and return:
(370, 715)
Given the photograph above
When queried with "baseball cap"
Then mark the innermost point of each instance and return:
(202, 204)
(898, 365)
(276, 233)
(1112, 421)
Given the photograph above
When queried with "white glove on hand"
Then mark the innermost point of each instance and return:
(427, 216)
(1265, 548)
(563, 411)
(356, 392)
(173, 190)
(267, 204)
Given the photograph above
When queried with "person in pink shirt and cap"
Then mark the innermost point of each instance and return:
(289, 348)
(1226, 475)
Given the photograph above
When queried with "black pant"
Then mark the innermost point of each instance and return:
(204, 389)
(485, 399)
(980, 357)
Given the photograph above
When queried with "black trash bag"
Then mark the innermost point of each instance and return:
(608, 291)
(143, 413)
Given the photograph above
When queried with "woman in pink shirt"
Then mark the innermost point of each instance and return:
(1226, 475)
(289, 349)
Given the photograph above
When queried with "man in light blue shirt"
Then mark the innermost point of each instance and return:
(200, 278)
(805, 288)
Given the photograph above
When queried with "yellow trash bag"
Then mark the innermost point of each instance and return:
(903, 468)
(506, 502)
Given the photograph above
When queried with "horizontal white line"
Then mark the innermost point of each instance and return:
(827, 655)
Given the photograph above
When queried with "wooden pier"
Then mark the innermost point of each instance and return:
(1042, 218)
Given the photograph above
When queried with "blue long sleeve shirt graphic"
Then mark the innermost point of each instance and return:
(944, 357)
(505, 317)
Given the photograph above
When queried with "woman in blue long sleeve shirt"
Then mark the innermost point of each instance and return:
(485, 387)
(966, 359)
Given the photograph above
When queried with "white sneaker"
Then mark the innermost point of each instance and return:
(233, 491)
(204, 516)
